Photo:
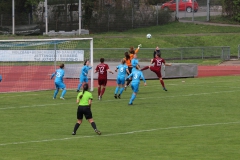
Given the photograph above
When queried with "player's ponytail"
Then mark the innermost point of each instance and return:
(85, 88)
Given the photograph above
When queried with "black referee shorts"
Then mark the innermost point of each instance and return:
(84, 110)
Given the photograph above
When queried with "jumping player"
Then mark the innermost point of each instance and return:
(136, 76)
(131, 54)
(59, 73)
(122, 70)
(158, 61)
(102, 70)
(83, 76)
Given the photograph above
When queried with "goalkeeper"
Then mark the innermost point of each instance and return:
(132, 55)
(83, 76)
(59, 73)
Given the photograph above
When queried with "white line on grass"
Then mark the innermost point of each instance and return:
(116, 134)
(106, 101)
(18, 95)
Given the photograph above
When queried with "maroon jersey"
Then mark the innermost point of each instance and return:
(158, 62)
(102, 70)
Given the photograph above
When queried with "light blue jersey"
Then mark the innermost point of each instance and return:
(59, 75)
(136, 77)
(84, 73)
(134, 63)
(122, 71)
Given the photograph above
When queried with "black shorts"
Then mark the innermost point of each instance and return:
(130, 70)
(84, 110)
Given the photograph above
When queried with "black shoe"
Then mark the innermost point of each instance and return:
(77, 90)
(115, 96)
(164, 89)
(130, 104)
(97, 131)
(73, 133)
(119, 96)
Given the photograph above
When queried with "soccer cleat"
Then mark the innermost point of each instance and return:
(97, 131)
(115, 96)
(54, 98)
(62, 98)
(125, 88)
(73, 133)
(130, 104)
(119, 96)
(78, 90)
(99, 98)
(164, 89)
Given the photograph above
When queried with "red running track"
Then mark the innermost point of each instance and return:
(33, 78)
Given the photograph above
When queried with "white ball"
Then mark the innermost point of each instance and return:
(149, 36)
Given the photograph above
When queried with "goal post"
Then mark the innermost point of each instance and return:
(27, 64)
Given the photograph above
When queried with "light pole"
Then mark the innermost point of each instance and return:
(13, 17)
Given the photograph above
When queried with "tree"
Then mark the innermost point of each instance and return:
(232, 8)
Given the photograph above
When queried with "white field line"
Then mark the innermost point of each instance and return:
(106, 101)
(19, 95)
(117, 134)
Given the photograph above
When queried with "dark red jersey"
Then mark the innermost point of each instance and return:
(158, 62)
(102, 70)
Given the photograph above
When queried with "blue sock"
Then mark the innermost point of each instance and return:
(63, 92)
(55, 93)
(79, 86)
(132, 98)
(121, 90)
(116, 90)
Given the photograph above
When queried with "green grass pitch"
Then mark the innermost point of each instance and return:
(197, 118)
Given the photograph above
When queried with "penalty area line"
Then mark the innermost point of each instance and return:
(123, 133)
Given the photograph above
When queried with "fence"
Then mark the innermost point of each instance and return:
(179, 54)
(110, 16)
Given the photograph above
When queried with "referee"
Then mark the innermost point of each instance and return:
(84, 99)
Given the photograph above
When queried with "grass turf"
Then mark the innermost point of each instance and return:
(197, 118)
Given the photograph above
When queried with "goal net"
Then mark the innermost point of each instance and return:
(27, 65)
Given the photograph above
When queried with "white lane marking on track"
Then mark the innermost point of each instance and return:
(116, 134)
(106, 101)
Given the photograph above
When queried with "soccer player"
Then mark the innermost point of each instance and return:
(84, 101)
(136, 76)
(157, 50)
(59, 73)
(0, 78)
(158, 62)
(122, 70)
(83, 76)
(132, 53)
(102, 70)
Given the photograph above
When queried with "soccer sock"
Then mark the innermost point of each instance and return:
(99, 91)
(76, 127)
(94, 125)
(128, 82)
(161, 81)
(79, 86)
(132, 98)
(144, 68)
(63, 93)
(116, 90)
(121, 90)
(103, 90)
(55, 93)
